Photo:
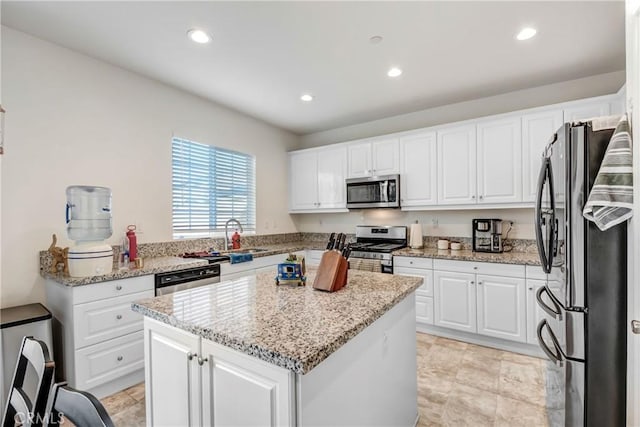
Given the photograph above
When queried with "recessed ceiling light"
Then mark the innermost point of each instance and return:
(375, 39)
(526, 33)
(307, 97)
(394, 72)
(199, 36)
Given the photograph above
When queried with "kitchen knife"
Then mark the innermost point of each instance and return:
(337, 242)
(331, 241)
(343, 237)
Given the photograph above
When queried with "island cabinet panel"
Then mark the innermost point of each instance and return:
(172, 376)
(502, 307)
(455, 300)
(418, 169)
(499, 149)
(241, 390)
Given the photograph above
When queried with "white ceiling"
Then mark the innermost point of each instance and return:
(264, 55)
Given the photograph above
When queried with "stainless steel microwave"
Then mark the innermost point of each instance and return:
(373, 192)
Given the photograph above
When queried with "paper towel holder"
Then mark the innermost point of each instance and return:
(415, 237)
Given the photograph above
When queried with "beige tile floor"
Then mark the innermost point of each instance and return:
(459, 384)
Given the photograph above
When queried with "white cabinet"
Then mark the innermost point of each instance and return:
(418, 170)
(101, 337)
(419, 267)
(502, 307)
(537, 130)
(588, 109)
(499, 156)
(455, 300)
(266, 390)
(456, 179)
(317, 179)
(192, 382)
(373, 157)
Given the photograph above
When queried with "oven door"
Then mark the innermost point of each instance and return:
(376, 192)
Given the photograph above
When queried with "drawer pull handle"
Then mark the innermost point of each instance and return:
(479, 283)
(118, 287)
(190, 355)
(475, 268)
(471, 282)
(119, 316)
(120, 358)
(202, 361)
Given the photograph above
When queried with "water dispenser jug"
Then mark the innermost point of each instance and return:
(88, 213)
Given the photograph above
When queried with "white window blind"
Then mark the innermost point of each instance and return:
(210, 186)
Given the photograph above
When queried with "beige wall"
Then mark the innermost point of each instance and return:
(76, 120)
(602, 84)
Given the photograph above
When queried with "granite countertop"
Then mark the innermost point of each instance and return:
(151, 266)
(165, 264)
(522, 258)
(292, 327)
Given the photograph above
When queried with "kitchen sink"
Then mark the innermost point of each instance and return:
(250, 250)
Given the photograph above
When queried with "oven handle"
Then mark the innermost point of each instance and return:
(558, 357)
(554, 312)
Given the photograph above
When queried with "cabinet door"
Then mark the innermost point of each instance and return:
(385, 156)
(239, 390)
(418, 169)
(172, 376)
(455, 300)
(427, 276)
(587, 110)
(359, 159)
(499, 146)
(537, 129)
(457, 166)
(424, 310)
(303, 180)
(332, 169)
(502, 307)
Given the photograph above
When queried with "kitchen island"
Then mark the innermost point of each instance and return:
(247, 352)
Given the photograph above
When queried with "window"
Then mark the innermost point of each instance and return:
(210, 186)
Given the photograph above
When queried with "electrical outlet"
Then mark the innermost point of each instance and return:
(434, 221)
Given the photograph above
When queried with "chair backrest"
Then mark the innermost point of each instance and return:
(27, 405)
(79, 407)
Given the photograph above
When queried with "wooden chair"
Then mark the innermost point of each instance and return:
(27, 399)
(79, 407)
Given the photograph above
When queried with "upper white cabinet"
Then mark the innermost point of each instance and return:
(586, 110)
(317, 179)
(373, 157)
(537, 129)
(418, 169)
(499, 151)
(457, 165)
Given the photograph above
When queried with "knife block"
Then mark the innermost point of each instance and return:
(332, 272)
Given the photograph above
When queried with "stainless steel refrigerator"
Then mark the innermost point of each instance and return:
(585, 298)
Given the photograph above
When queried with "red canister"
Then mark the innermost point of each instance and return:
(133, 243)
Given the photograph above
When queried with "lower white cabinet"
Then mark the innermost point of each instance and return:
(455, 300)
(502, 307)
(419, 267)
(209, 384)
(101, 348)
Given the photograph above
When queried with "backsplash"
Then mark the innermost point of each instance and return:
(179, 247)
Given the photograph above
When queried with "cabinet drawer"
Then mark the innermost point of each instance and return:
(107, 361)
(427, 275)
(98, 321)
(424, 310)
(114, 288)
(412, 262)
(494, 269)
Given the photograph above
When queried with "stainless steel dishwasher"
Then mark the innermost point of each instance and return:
(174, 281)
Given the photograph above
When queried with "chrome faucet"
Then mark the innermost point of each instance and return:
(227, 244)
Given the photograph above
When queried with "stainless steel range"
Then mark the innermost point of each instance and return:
(374, 244)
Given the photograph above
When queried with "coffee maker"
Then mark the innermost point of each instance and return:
(487, 235)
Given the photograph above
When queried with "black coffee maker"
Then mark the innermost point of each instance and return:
(487, 235)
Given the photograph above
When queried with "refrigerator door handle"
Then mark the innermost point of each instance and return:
(556, 357)
(545, 217)
(554, 312)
